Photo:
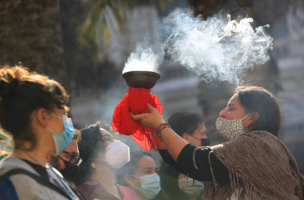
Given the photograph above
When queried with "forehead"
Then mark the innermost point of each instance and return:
(105, 134)
(234, 100)
(146, 161)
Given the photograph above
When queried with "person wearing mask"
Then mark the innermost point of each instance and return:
(191, 127)
(252, 164)
(67, 162)
(33, 111)
(141, 174)
(102, 157)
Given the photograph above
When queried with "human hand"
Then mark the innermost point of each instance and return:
(150, 120)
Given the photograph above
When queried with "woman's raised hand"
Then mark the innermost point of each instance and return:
(150, 120)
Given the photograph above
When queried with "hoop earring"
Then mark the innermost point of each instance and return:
(93, 165)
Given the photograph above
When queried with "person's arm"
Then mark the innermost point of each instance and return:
(180, 151)
(171, 141)
(185, 164)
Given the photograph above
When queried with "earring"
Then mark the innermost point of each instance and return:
(93, 165)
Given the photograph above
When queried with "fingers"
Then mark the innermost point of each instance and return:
(136, 117)
(150, 107)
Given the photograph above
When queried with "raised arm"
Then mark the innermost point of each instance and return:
(170, 140)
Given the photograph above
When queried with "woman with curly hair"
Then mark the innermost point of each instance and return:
(101, 156)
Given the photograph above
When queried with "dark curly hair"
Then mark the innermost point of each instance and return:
(21, 93)
(90, 145)
(260, 100)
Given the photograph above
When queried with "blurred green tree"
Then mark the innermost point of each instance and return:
(104, 19)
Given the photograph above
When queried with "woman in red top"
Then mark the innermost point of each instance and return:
(102, 156)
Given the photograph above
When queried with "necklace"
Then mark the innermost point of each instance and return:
(120, 195)
(29, 155)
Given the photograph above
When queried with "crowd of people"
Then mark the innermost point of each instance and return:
(50, 159)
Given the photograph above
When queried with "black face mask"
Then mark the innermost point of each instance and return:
(205, 142)
(70, 172)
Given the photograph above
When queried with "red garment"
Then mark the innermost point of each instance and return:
(100, 193)
(136, 101)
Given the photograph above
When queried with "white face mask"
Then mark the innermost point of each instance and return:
(191, 190)
(150, 185)
(117, 154)
(230, 129)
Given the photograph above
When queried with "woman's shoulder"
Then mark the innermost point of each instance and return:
(128, 193)
(257, 135)
(11, 163)
(25, 186)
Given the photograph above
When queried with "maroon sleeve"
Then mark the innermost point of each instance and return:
(128, 193)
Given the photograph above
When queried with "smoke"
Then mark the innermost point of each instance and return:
(217, 48)
(144, 58)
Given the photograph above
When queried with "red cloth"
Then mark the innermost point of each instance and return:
(136, 101)
(100, 193)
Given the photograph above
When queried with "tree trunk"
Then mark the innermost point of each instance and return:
(30, 33)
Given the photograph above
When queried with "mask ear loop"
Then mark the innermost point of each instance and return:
(135, 177)
(56, 115)
(245, 117)
(247, 129)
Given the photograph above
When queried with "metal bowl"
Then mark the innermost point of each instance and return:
(141, 79)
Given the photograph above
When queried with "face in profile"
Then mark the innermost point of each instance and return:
(235, 110)
(198, 135)
(107, 139)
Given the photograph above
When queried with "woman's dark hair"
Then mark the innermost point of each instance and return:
(258, 99)
(131, 166)
(21, 93)
(185, 122)
(90, 145)
(77, 135)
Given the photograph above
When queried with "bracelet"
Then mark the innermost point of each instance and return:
(162, 124)
(160, 128)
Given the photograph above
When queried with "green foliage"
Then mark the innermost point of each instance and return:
(95, 32)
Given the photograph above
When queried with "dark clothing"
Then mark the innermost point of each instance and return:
(169, 170)
(186, 166)
(169, 183)
(39, 169)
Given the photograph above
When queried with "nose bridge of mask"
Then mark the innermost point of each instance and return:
(117, 154)
(114, 148)
(149, 178)
(63, 138)
(67, 123)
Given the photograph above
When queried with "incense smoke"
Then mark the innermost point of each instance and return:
(144, 58)
(216, 48)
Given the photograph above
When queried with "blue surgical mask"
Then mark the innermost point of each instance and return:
(63, 139)
(150, 185)
(191, 188)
